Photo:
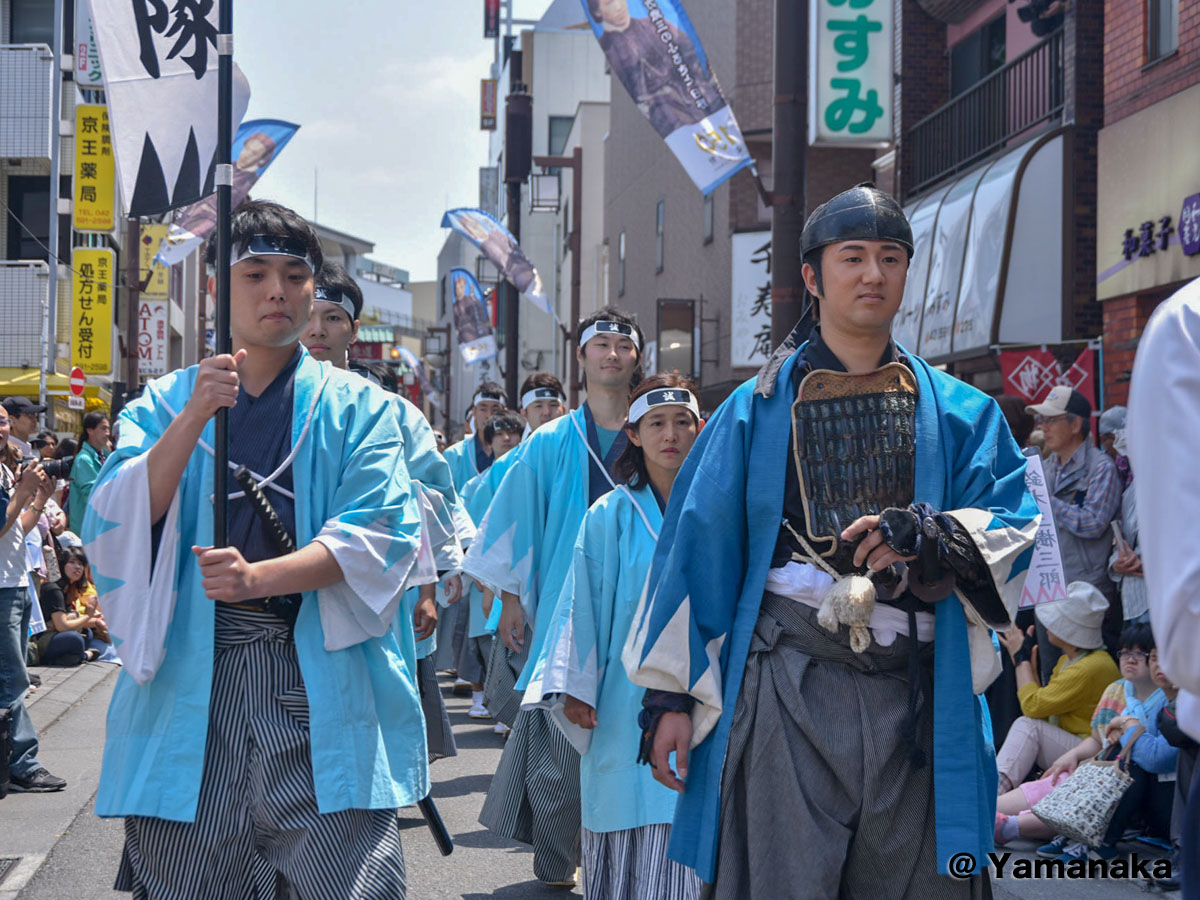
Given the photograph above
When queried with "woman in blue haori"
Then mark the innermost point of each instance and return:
(578, 674)
(523, 552)
(279, 722)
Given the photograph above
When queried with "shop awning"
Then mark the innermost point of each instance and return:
(24, 383)
(988, 261)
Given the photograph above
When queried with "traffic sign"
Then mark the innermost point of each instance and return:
(74, 402)
(78, 381)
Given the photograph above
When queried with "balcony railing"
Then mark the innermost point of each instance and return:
(24, 287)
(26, 73)
(1015, 99)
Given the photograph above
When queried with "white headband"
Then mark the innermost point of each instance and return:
(541, 393)
(337, 298)
(274, 245)
(605, 327)
(485, 398)
(663, 397)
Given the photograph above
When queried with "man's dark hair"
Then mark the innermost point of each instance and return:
(612, 314)
(335, 277)
(1085, 424)
(381, 371)
(630, 466)
(491, 390)
(264, 217)
(541, 380)
(66, 447)
(1138, 636)
(503, 421)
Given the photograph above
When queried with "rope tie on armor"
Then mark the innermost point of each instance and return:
(850, 601)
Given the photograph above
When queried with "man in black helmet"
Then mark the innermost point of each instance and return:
(814, 631)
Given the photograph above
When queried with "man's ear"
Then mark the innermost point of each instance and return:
(810, 279)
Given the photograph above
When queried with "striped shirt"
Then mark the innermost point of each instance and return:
(1094, 513)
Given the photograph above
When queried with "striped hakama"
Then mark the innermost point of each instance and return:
(258, 809)
(819, 793)
(534, 795)
(632, 864)
(438, 735)
(473, 659)
(451, 632)
(500, 696)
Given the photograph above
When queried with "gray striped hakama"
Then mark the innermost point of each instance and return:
(473, 659)
(438, 735)
(819, 797)
(451, 632)
(534, 795)
(632, 865)
(258, 807)
(500, 696)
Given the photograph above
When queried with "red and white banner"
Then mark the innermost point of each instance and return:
(1030, 374)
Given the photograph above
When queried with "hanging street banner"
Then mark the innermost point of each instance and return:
(159, 60)
(491, 18)
(850, 73)
(87, 56)
(159, 285)
(1030, 374)
(498, 245)
(410, 359)
(471, 320)
(255, 146)
(750, 320)
(92, 301)
(488, 100)
(655, 52)
(94, 206)
(152, 337)
(1044, 582)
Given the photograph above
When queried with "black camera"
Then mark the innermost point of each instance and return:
(58, 468)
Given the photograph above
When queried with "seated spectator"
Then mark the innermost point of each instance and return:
(75, 628)
(1112, 423)
(1055, 717)
(1125, 564)
(1136, 694)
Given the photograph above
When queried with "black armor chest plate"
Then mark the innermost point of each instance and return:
(854, 449)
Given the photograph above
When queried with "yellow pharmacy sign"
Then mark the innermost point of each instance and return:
(93, 207)
(93, 297)
(159, 285)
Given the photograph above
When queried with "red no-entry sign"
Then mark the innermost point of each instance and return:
(78, 381)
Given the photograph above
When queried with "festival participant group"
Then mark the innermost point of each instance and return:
(772, 654)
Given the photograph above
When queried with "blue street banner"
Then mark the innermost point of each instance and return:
(471, 319)
(657, 55)
(498, 245)
(255, 147)
(418, 369)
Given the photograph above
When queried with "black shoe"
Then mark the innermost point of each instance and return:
(35, 679)
(39, 781)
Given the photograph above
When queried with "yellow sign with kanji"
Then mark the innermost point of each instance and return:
(159, 285)
(94, 206)
(93, 298)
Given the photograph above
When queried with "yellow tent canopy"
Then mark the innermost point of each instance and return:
(24, 383)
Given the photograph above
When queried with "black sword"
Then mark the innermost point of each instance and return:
(285, 544)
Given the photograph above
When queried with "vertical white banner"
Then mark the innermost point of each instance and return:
(750, 321)
(1045, 580)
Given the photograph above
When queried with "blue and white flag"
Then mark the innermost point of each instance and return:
(475, 338)
(498, 245)
(255, 146)
(655, 52)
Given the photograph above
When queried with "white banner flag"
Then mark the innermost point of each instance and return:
(159, 60)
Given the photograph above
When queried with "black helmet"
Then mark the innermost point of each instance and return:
(863, 212)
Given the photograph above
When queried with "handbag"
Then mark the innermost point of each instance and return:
(1082, 807)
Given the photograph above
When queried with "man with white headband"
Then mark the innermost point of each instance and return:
(333, 325)
(470, 456)
(230, 736)
(542, 400)
(522, 552)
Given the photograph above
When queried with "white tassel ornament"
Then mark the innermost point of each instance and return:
(849, 601)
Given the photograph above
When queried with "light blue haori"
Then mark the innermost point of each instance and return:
(581, 656)
(477, 496)
(353, 496)
(525, 543)
(692, 632)
(461, 457)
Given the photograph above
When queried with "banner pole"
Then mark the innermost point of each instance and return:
(224, 182)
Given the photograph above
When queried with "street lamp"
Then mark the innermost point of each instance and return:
(544, 192)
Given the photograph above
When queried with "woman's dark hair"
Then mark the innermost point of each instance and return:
(503, 421)
(66, 447)
(90, 421)
(541, 380)
(612, 314)
(72, 589)
(630, 467)
(264, 217)
(48, 436)
(1020, 423)
(1137, 637)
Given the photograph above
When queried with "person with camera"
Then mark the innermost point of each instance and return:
(23, 423)
(93, 450)
(23, 493)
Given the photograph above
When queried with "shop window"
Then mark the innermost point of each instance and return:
(29, 202)
(676, 331)
(621, 264)
(32, 22)
(1162, 28)
(660, 222)
(708, 219)
(977, 55)
(559, 130)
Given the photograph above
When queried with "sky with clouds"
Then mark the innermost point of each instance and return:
(387, 97)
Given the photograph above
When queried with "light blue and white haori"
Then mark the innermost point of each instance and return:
(525, 542)
(477, 496)
(352, 496)
(581, 656)
(693, 630)
(462, 460)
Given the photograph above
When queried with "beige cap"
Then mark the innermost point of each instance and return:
(1061, 400)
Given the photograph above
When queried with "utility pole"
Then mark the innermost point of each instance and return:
(789, 146)
(133, 292)
(574, 162)
(518, 159)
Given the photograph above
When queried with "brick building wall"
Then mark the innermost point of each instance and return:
(924, 82)
(1125, 319)
(1129, 83)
